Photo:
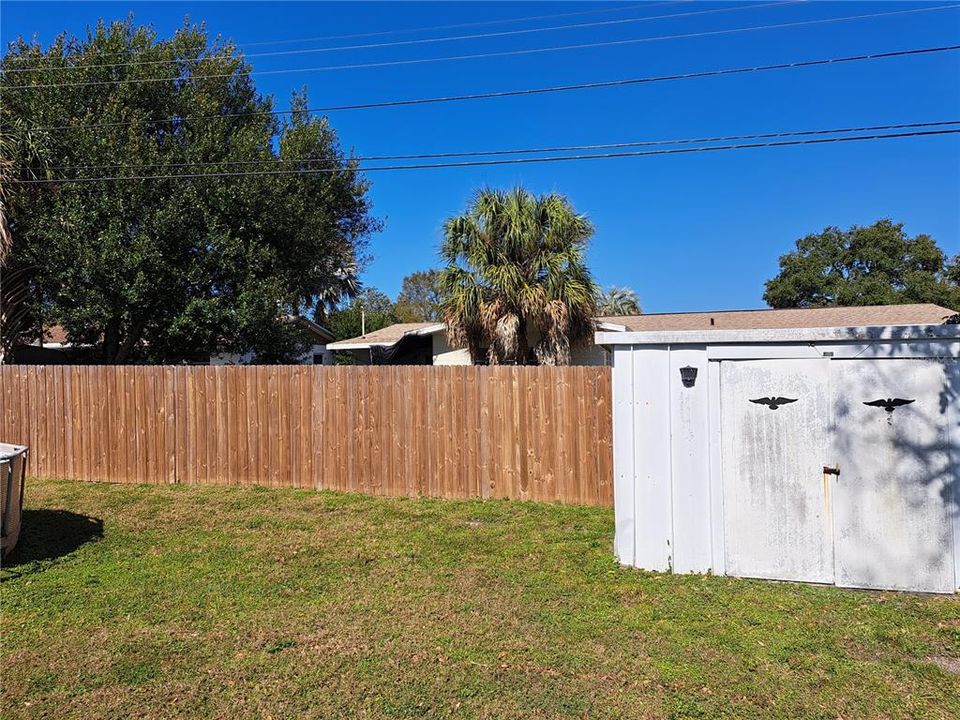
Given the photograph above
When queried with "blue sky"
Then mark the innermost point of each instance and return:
(686, 232)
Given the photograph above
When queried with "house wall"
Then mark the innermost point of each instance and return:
(668, 449)
(590, 355)
(444, 354)
(318, 355)
(310, 357)
(231, 358)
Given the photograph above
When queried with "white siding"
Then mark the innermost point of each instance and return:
(308, 358)
(443, 354)
(652, 457)
(624, 446)
(690, 461)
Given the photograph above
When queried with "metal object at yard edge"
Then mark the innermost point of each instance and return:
(13, 472)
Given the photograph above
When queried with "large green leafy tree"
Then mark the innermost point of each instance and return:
(874, 265)
(419, 298)
(370, 310)
(174, 267)
(515, 272)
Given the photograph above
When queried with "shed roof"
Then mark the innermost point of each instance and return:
(865, 316)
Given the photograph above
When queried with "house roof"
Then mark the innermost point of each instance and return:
(55, 334)
(385, 337)
(765, 319)
(918, 314)
(316, 329)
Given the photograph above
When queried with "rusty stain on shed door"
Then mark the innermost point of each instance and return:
(894, 495)
(774, 423)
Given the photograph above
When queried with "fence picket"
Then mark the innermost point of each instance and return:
(464, 432)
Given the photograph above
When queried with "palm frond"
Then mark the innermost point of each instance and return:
(618, 301)
(515, 262)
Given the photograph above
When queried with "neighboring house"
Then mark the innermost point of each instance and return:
(317, 354)
(52, 348)
(55, 349)
(403, 344)
(427, 344)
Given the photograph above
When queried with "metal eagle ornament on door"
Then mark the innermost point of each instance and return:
(890, 404)
(774, 403)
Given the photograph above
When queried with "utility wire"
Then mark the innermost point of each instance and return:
(421, 41)
(521, 151)
(511, 161)
(515, 93)
(505, 53)
(482, 23)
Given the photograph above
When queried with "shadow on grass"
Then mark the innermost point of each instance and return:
(48, 535)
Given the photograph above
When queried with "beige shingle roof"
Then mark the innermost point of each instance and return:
(919, 314)
(385, 336)
(54, 334)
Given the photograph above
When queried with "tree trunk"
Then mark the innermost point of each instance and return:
(523, 346)
(111, 340)
(130, 341)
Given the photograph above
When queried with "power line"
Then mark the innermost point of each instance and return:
(506, 53)
(413, 42)
(482, 23)
(511, 161)
(521, 151)
(529, 91)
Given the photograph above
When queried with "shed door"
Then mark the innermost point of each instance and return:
(892, 498)
(774, 419)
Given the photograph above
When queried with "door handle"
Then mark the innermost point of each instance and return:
(827, 470)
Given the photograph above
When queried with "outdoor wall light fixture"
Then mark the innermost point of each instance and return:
(688, 376)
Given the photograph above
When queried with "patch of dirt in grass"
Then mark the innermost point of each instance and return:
(947, 664)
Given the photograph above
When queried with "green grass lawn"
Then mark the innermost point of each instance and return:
(188, 602)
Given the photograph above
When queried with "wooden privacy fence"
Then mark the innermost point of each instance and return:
(533, 433)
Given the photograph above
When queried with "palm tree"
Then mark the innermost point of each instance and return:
(618, 301)
(15, 141)
(515, 268)
(6, 180)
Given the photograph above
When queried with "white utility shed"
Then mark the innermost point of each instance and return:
(828, 455)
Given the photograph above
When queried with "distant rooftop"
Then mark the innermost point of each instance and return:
(764, 319)
(387, 336)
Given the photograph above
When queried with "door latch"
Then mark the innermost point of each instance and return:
(827, 470)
